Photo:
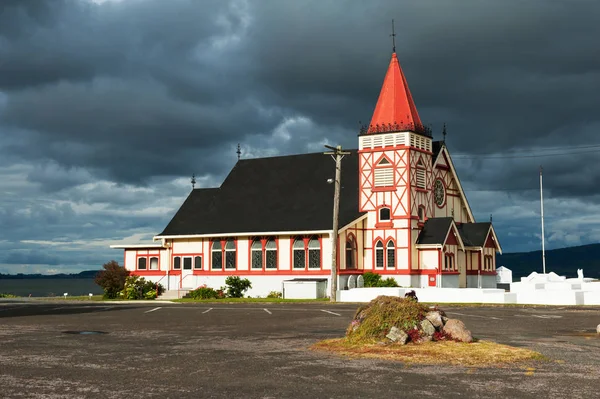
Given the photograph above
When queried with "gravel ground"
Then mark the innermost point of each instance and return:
(261, 351)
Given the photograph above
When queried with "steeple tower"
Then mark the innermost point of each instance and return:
(395, 109)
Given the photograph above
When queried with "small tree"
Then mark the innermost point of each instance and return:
(111, 279)
(236, 286)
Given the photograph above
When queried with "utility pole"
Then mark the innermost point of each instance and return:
(337, 154)
(542, 213)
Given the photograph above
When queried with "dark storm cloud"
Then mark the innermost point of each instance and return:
(103, 105)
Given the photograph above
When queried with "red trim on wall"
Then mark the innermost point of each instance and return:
(148, 272)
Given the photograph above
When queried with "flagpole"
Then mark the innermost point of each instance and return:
(542, 213)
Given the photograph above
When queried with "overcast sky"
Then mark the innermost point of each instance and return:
(108, 107)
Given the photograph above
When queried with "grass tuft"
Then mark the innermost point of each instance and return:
(479, 354)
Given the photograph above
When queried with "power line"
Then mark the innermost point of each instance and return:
(531, 155)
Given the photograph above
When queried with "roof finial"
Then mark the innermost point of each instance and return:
(490, 218)
(239, 151)
(193, 181)
(393, 35)
(444, 133)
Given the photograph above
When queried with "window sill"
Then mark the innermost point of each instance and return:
(380, 189)
(421, 190)
(149, 272)
(384, 224)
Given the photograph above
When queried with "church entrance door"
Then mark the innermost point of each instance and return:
(187, 273)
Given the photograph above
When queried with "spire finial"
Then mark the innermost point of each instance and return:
(193, 181)
(239, 151)
(444, 133)
(490, 218)
(393, 35)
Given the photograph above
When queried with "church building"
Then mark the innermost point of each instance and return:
(403, 214)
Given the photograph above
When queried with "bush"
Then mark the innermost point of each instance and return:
(236, 286)
(111, 279)
(374, 280)
(203, 292)
(7, 295)
(137, 287)
(371, 279)
(274, 294)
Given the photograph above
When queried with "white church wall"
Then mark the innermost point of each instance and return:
(130, 256)
(429, 259)
(284, 252)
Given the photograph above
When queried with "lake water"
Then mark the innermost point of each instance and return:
(49, 287)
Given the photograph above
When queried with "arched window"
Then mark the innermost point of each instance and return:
(314, 253)
(271, 254)
(153, 263)
(230, 254)
(379, 254)
(384, 214)
(449, 262)
(350, 253)
(421, 214)
(299, 254)
(217, 255)
(141, 263)
(177, 263)
(391, 255)
(198, 262)
(257, 254)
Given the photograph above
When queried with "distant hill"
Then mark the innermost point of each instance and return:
(83, 274)
(563, 261)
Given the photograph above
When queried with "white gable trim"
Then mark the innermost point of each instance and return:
(349, 225)
(495, 238)
(444, 150)
(456, 234)
(137, 246)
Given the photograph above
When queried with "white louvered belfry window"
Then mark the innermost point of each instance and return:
(420, 178)
(384, 177)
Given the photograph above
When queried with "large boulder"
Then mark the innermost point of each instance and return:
(397, 335)
(427, 328)
(458, 331)
(435, 318)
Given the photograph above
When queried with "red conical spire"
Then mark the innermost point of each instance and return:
(395, 105)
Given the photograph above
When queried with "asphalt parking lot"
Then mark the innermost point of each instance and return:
(261, 351)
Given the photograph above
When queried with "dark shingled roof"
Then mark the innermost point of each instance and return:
(434, 231)
(474, 234)
(277, 194)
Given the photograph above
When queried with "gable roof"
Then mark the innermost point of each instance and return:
(276, 194)
(435, 232)
(443, 152)
(395, 105)
(474, 234)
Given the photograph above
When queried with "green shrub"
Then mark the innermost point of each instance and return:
(274, 294)
(388, 282)
(203, 292)
(137, 287)
(374, 280)
(7, 295)
(236, 286)
(111, 279)
(371, 279)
